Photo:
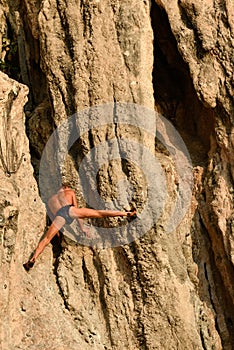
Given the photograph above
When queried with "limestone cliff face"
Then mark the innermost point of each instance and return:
(163, 290)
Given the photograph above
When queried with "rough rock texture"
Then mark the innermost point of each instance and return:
(27, 309)
(204, 38)
(163, 291)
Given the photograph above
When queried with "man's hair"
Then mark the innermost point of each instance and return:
(65, 183)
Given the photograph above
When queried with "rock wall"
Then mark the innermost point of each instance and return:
(162, 291)
(204, 38)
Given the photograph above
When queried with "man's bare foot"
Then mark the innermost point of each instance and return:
(28, 265)
(132, 214)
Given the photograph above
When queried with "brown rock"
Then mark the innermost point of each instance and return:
(164, 290)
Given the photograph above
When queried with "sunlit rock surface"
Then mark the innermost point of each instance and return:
(164, 290)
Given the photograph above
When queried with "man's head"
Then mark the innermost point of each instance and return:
(65, 184)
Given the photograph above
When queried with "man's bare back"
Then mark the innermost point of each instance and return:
(65, 196)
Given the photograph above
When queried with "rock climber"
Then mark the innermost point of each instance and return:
(64, 208)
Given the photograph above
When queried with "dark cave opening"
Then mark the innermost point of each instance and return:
(174, 93)
(20, 59)
(176, 99)
(9, 60)
(20, 55)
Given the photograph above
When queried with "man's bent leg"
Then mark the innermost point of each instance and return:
(56, 225)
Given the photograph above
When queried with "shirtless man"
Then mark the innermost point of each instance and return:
(64, 208)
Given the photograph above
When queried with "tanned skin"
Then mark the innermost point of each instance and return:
(66, 196)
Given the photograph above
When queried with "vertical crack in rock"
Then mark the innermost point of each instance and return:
(87, 277)
(211, 295)
(55, 271)
(30, 56)
(139, 300)
(220, 298)
(125, 259)
(68, 40)
(10, 157)
(102, 294)
(57, 253)
(69, 73)
(187, 21)
(203, 341)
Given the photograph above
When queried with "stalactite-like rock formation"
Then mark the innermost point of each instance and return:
(163, 290)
